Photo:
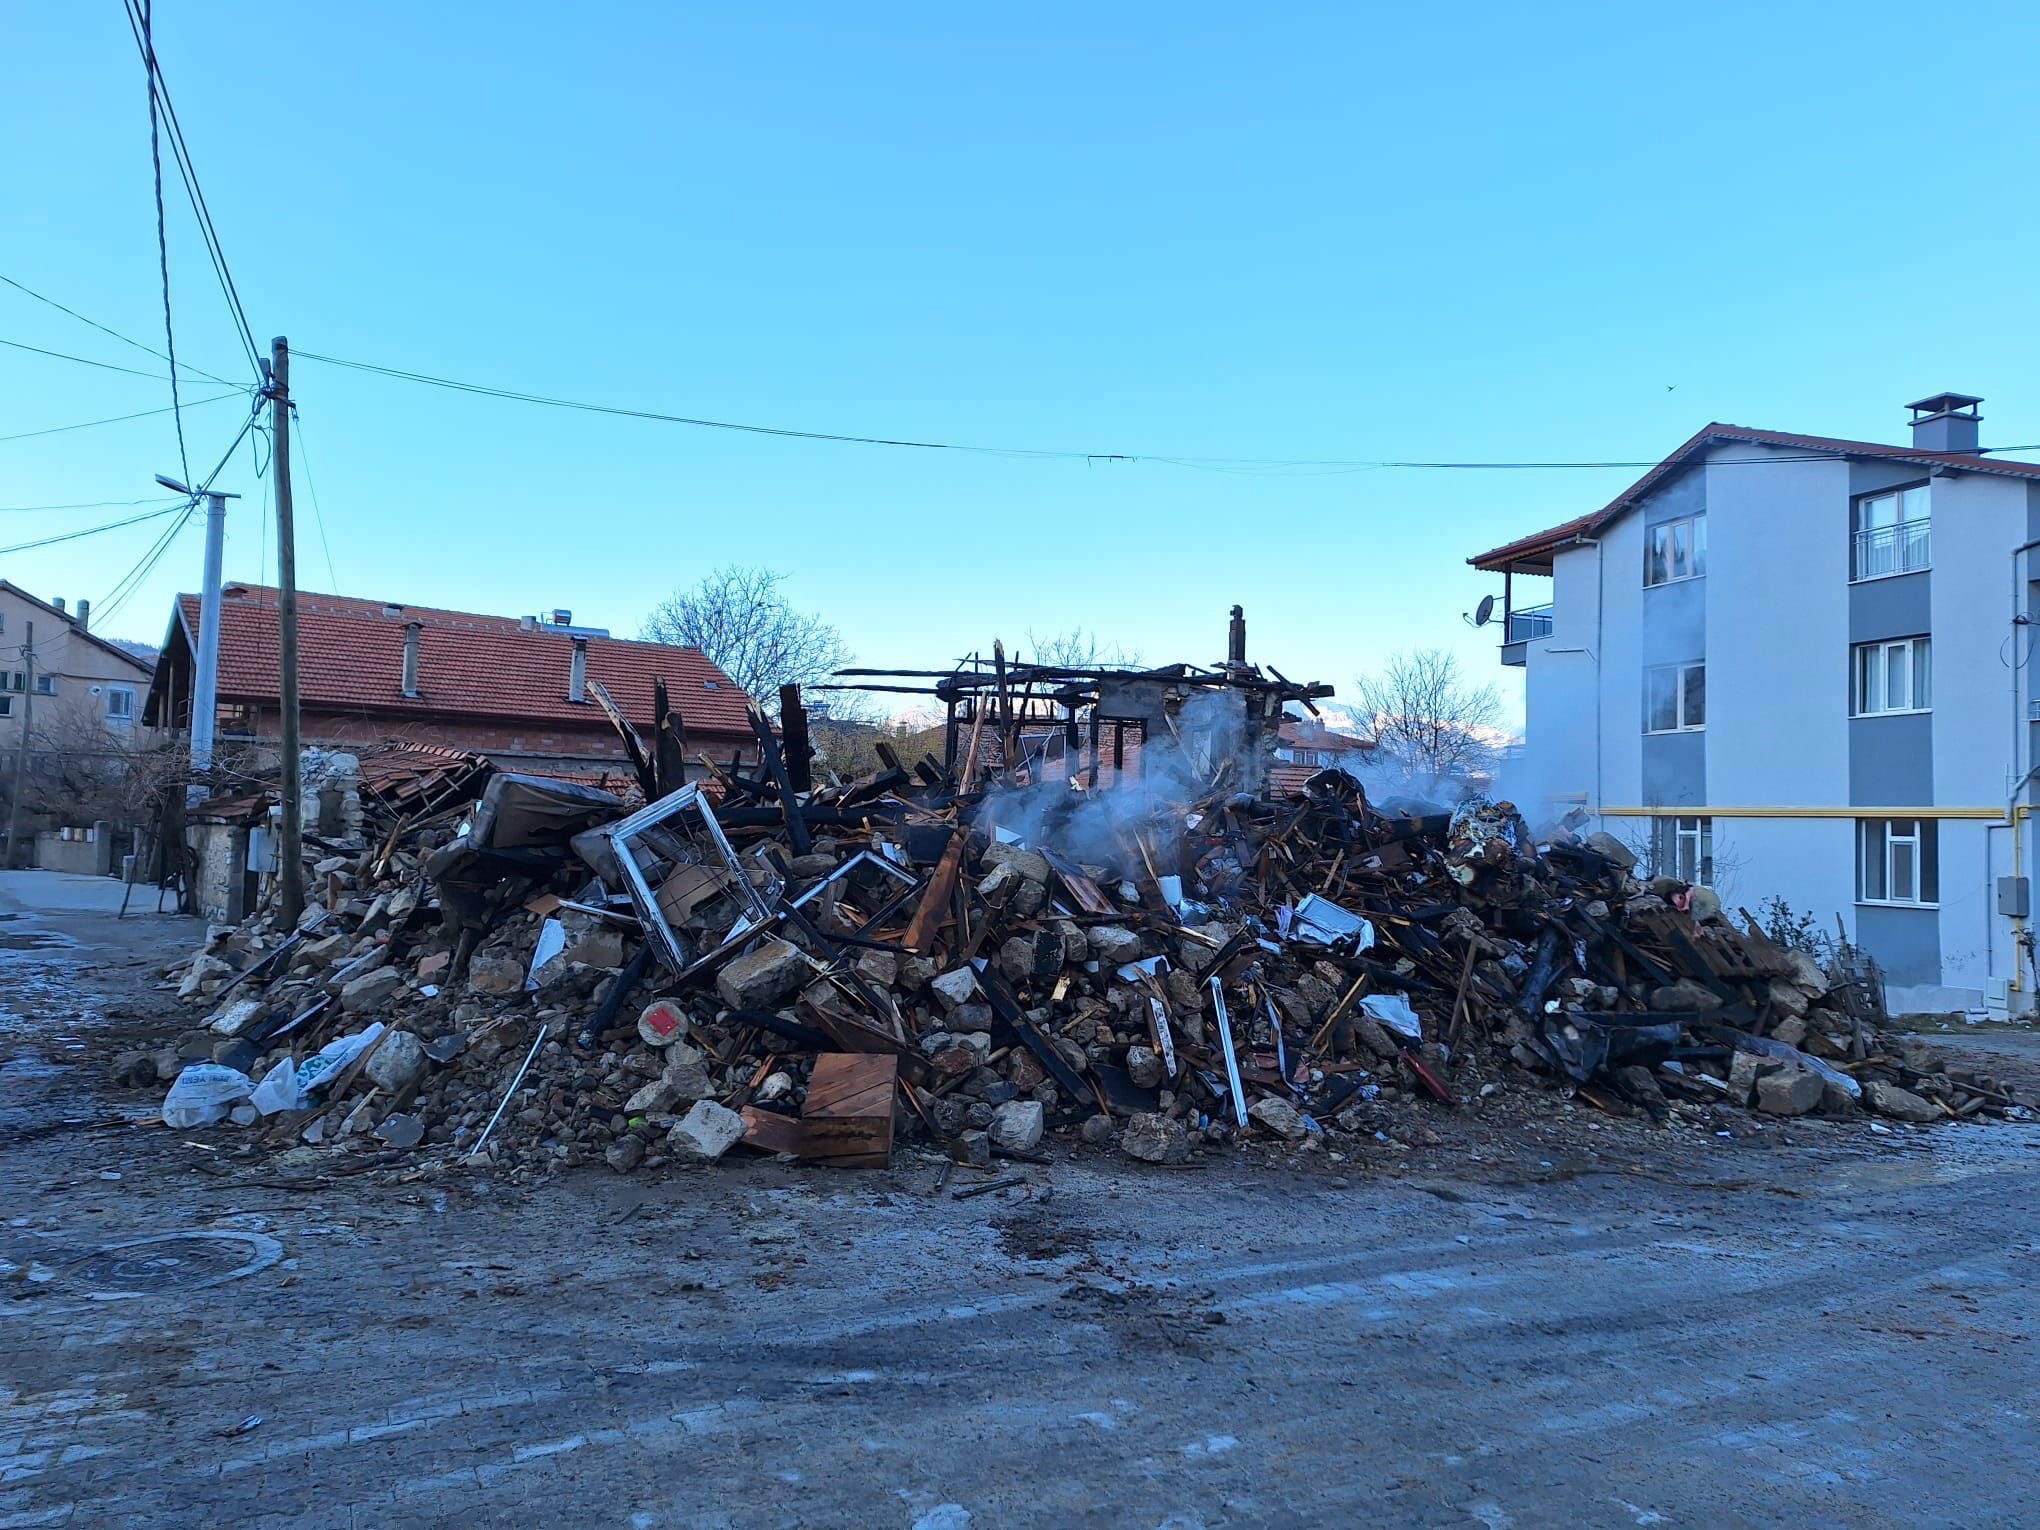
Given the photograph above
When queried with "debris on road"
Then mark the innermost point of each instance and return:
(1090, 917)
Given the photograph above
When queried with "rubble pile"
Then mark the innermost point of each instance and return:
(527, 973)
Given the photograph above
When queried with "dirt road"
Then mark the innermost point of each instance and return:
(1834, 1332)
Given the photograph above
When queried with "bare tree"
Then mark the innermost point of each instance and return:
(1429, 722)
(1077, 649)
(741, 620)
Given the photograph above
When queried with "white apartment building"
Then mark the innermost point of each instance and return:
(1798, 666)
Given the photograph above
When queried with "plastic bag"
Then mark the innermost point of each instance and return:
(1393, 1011)
(279, 1090)
(319, 1068)
(204, 1093)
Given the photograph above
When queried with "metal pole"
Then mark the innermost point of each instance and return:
(290, 853)
(21, 755)
(205, 687)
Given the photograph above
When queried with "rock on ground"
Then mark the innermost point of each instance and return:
(1156, 1138)
(1899, 1104)
(1790, 1092)
(1016, 1125)
(705, 1133)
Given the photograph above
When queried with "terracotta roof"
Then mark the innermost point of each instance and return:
(1537, 550)
(1307, 733)
(351, 656)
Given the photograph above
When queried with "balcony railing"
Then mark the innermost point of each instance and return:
(1901, 549)
(1530, 622)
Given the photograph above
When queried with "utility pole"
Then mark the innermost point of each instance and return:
(21, 755)
(206, 681)
(290, 853)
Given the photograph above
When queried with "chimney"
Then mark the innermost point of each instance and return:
(527, 624)
(1236, 638)
(577, 675)
(412, 632)
(84, 614)
(58, 602)
(1945, 423)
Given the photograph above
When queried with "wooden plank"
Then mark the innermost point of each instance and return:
(927, 920)
(848, 1118)
(770, 1132)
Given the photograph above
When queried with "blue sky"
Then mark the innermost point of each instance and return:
(1345, 232)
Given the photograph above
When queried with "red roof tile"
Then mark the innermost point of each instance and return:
(1538, 549)
(351, 656)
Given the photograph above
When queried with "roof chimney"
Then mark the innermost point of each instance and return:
(412, 631)
(1945, 423)
(84, 614)
(527, 624)
(577, 674)
(58, 602)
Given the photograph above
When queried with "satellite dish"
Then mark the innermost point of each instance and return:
(1485, 611)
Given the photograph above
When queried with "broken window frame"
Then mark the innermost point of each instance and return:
(760, 914)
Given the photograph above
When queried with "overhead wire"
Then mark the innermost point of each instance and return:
(83, 361)
(93, 531)
(93, 504)
(162, 233)
(116, 419)
(1216, 464)
(318, 517)
(104, 329)
(181, 153)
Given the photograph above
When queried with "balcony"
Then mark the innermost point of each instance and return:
(1881, 551)
(1520, 627)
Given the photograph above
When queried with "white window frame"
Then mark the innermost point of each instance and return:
(1871, 672)
(1902, 498)
(127, 714)
(6, 704)
(1685, 849)
(45, 683)
(1685, 556)
(1895, 856)
(1681, 697)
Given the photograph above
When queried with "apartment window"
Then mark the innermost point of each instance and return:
(120, 704)
(1891, 534)
(6, 706)
(1675, 550)
(1675, 698)
(1898, 860)
(1894, 676)
(1684, 848)
(46, 685)
(14, 680)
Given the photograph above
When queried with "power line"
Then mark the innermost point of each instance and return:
(106, 330)
(1215, 464)
(116, 419)
(93, 531)
(96, 504)
(162, 236)
(136, 576)
(181, 152)
(83, 361)
(318, 517)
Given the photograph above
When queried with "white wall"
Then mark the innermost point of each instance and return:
(1558, 695)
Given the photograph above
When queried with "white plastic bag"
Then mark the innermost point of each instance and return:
(279, 1090)
(1393, 1011)
(319, 1068)
(204, 1093)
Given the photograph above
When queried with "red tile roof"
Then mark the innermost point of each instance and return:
(1533, 553)
(351, 657)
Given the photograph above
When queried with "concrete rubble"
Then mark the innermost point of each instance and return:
(987, 961)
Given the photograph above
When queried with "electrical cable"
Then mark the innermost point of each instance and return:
(181, 152)
(1248, 464)
(141, 414)
(93, 531)
(304, 455)
(95, 504)
(162, 236)
(106, 330)
(83, 361)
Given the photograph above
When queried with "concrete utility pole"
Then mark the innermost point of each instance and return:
(206, 679)
(290, 853)
(21, 754)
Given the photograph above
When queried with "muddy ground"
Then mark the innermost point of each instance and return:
(1523, 1314)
